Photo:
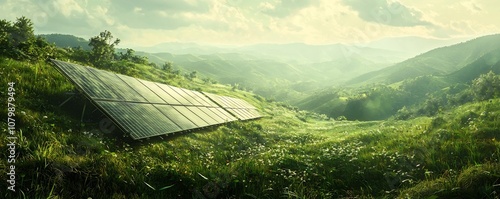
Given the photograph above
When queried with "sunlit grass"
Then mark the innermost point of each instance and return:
(287, 154)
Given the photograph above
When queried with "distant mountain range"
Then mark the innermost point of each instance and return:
(401, 48)
(290, 72)
(440, 61)
(430, 72)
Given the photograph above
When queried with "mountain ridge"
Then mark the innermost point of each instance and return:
(448, 58)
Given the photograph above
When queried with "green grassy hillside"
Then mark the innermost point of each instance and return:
(440, 61)
(409, 83)
(484, 64)
(289, 153)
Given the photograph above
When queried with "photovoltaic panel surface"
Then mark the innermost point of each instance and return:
(124, 91)
(141, 120)
(237, 107)
(143, 90)
(175, 116)
(197, 120)
(145, 109)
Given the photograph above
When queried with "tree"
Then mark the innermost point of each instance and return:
(23, 32)
(167, 67)
(5, 32)
(207, 80)
(103, 47)
(235, 86)
(487, 86)
(127, 56)
(193, 75)
(18, 41)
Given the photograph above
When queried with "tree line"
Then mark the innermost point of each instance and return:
(18, 41)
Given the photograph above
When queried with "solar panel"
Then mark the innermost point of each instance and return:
(230, 102)
(187, 94)
(202, 114)
(240, 113)
(144, 91)
(241, 103)
(169, 90)
(246, 113)
(200, 99)
(206, 100)
(237, 107)
(141, 120)
(111, 80)
(224, 114)
(191, 115)
(254, 113)
(155, 88)
(176, 117)
(89, 83)
(145, 109)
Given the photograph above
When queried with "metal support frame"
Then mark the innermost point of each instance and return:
(69, 98)
(83, 111)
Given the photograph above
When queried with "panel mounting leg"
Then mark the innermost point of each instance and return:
(83, 111)
(65, 101)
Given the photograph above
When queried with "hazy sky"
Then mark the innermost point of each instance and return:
(148, 22)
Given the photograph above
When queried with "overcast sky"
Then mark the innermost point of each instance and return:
(149, 22)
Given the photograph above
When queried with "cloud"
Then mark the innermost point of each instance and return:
(258, 21)
(385, 12)
(285, 8)
(472, 6)
(78, 17)
(158, 14)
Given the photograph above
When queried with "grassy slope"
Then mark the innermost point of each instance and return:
(327, 102)
(440, 61)
(279, 155)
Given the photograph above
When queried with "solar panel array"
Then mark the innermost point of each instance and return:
(145, 109)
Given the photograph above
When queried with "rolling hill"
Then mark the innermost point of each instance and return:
(64, 41)
(484, 64)
(440, 61)
(288, 153)
(410, 82)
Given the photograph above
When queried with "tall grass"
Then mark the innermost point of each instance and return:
(283, 155)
